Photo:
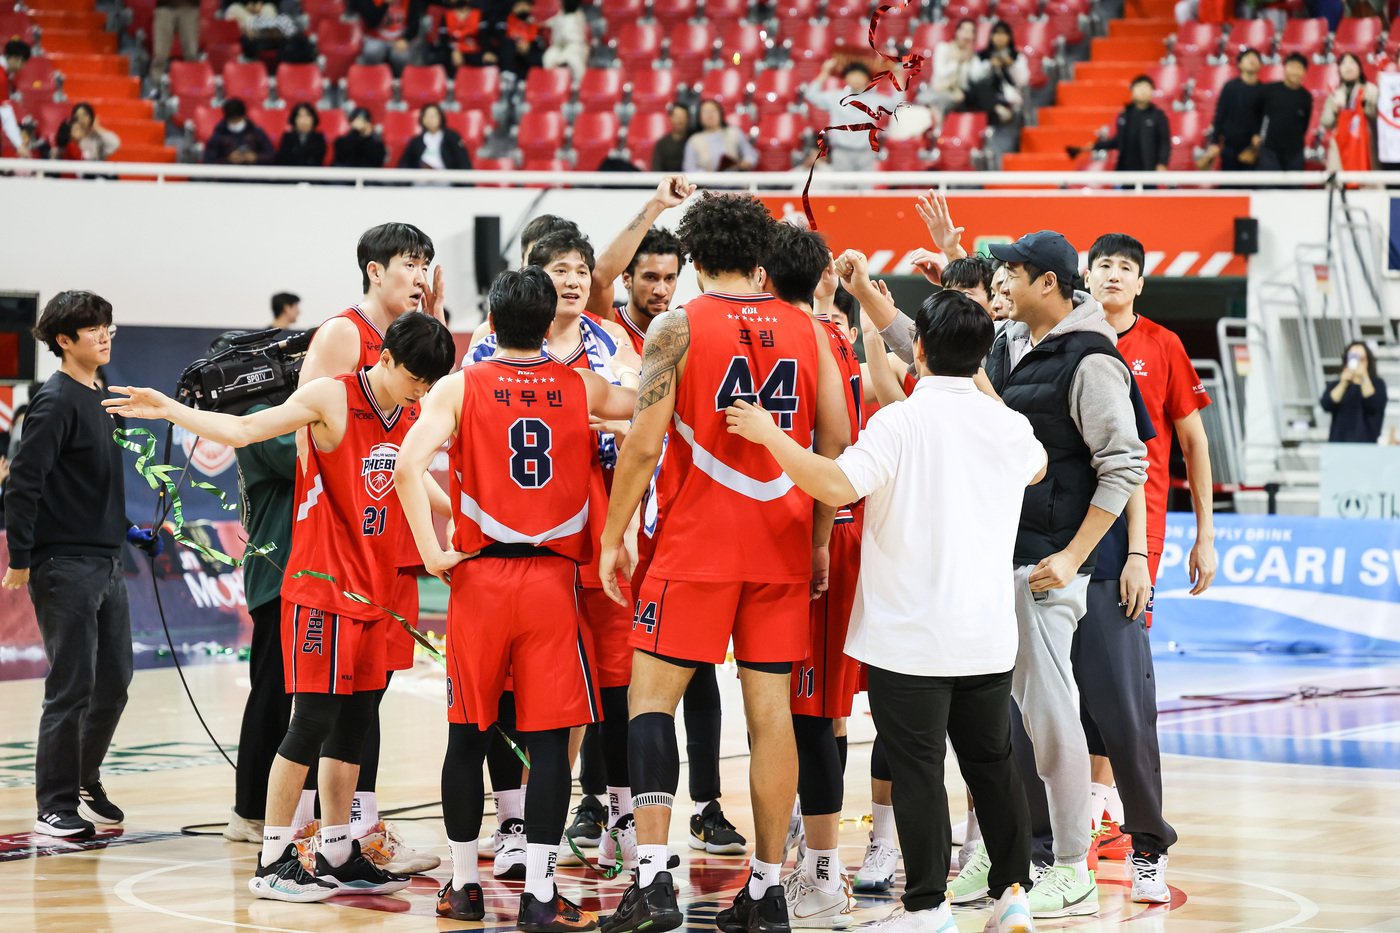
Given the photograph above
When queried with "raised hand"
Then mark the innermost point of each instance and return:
(140, 403)
(434, 296)
(853, 269)
(933, 209)
(927, 264)
(673, 191)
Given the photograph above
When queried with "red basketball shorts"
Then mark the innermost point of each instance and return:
(326, 653)
(518, 616)
(606, 627)
(824, 683)
(694, 621)
(398, 644)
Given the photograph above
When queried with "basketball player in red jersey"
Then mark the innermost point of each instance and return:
(823, 684)
(650, 281)
(620, 258)
(394, 259)
(738, 549)
(345, 523)
(522, 453)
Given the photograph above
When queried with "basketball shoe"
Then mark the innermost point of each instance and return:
(288, 880)
(650, 909)
(241, 830)
(709, 830)
(559, 915)
(1011, 913)
(93, 805)
(767, 914)
(387, 851)
(1113, 844)
(510, 857)
(619, 843)
(306, 840)
(1060, 893)
(971, 883)
(64, 824)
(876, 871)
(590, 823)
(359, 875)
(464, 903)
(809, 907)
(1149, 873)
(899, 920)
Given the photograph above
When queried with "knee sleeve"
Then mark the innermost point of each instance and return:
(347, 739)
(463, 791)
(547, 797)
(653, 759)
(819, 783)
(313, 717)
(612, 737)
(879, 764)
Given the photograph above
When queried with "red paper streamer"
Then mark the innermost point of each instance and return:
(911, 64)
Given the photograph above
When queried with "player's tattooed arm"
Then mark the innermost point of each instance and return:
(668, 341)
(612, 261)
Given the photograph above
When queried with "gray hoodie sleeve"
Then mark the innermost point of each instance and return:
(899, 338)
(1103, 412)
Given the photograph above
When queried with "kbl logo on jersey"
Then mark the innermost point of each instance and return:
(378, 470)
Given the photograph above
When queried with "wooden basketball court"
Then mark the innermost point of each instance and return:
(1286, 812)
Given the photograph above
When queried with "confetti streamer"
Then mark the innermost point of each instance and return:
(911, 64)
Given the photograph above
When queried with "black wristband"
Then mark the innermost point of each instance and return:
(1137, 554)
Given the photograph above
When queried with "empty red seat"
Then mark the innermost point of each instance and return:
(1359, 35)
(902, 155)
(1066, 21)
(1271, 73)
(1188, 128)
(246, 81)
(370, 86)
(192, 84)
(726, 85)
(477, 88)
(220, 41)
(961, 137)
(619, 13)
(270, 121)
(300, 84)
(724, 11)
(420, 85)
(541, 133)
(471, 125)
(853, 35)
(1195, 42)
(1038, 40)
(928, 36)
(396, 128)
(1307, 37)
(742, 45)
(1015, 10)
(672, 13)
(955, 10)
(334, 124)
(643, 130)
(652, 90)
(36, 80)
(203, 119)
(637, 45)
(600, 89)
(792, 14)
(1257, 34)
(1171, 84)
(548, 88)
(691, 45)
(319, 11)
(775, 90)
(779, 136)
(1320, 81)
(339, 44)
(809, 45)
(595, 136)
(17, 25)
(1207, 84)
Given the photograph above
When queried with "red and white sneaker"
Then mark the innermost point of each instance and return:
(1113, 844)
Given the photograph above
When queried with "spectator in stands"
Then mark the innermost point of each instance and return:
(1236, 123)
(237, 140)
(1356, 401)
(172, 16)
(523, 45)
(999, 79)
(438, 146)
(302, 143)
(717, 146)
(459, 42)
(390, 27)
(1143, 136)
(17, 52)
(32, 144)
(83, 137)
(669, 154)
(1285, 109)
(1351, 109)
(848, 150)
(286, 308)
(952, 67)
(568, 39)
(359, 147)
(272, 37)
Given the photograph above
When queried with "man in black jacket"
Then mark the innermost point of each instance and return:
(65, 506)
(238, 140)
(1237, 117)
(1143, 136)
(1285, 109)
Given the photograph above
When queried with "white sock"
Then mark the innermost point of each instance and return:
(762, 875)
(539, 870)
(883, 822)
(275, 839)
(1115, 805)
(464, 867)
(510, 805)
(973, 833)
(1098, 804)
(700, 806)
(1081, 869)
(619, 804)
(651, 861)
(823, 869)
(364, 813)
(335, 844)
(306, 809)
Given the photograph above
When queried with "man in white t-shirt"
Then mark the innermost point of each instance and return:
(934, 617)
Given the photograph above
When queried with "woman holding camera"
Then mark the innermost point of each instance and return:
(1356, 400)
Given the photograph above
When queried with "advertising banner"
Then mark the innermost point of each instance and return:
(1360, 481)
(1388, 113)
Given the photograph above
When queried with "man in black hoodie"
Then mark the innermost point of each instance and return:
(238, 140)
(1236, 124)
(1285, 109)
(1143, 136)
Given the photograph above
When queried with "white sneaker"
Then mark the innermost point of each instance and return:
(621, 838)
(1149, 879)
(388, 852)
(920, 921)
(1011, 913)
(566, 858)
(809, 907)
(796, 838)
(510, 857)
(876, 872)
(241, 830)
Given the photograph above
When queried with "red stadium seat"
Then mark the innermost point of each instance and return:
(471, 125)
(339, 44)
(928, 36)
(1307, 37)
(1195, 42)
(1320, 81)
(808, 45)
(793, 14)
(300, 84)
(421, 85)
(672, 13)
(220, 41)
(1361, 36)
(1171, 84)
(1067, 24)
(1188, 128)
(853, 35)
(477, 88)
(743, 45)
(1207, 84)
(691, 45)
(319, 11)
(1257, 34)
(600, 89)
(192, 84)
(961, 137)
(396, 128)
(652, 90)
(1038, 40)
(246, 81)
(17, 25)
(726, 85)
(548, 88)
(726, 11)
(370, 86)
(848, 9)
(272, 121)
(1271, 73)
(955, 10)
(779, 137)
(637, 45)
(595, 136)
(903, 155)
(643, 130)
(36, 80)
(541, 133)
(334, 124)
(618, 13)
(775, 91)
(1015, 10)
(204, 118)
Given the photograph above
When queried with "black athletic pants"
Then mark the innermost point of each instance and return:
(702, 731)
(916, 717)
(265, 715)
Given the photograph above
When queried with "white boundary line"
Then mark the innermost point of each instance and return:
(1307, 909)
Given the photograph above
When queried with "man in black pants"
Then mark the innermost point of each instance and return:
(65, 510)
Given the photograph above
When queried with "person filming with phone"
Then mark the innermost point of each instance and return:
(1356, 400)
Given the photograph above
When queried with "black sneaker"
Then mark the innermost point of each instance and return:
(359, 875)
(652, 909)
(768, 914)
(464, 903)
(709, 830)
(590, 822)
(94, 805)
(288, 880)
(559, 915)
(66, 824)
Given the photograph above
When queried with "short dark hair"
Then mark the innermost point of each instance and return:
(360, 112)
(955, 332)
(968, 273)
(1143, 79)
(522, 305)
(382, 243)
(723, 120)
(856, 66)
(296, 111)
(726, 233)
(846, 303)
(422, 345)
(1247, 51)
(235, 109)
(560, 243)
(541, 227)
(1119, 244)
(69, 312)
(442, 116)
(796, 259)
(1034, 272)
(281, 300)
(18, 48)
(966, 19)
(1296, 57)
(659, 242)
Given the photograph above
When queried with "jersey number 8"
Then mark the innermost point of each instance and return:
(777, 394)
(530, 463)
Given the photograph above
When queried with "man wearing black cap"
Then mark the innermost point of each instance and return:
(1056, 364)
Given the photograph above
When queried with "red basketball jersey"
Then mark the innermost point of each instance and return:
(371, 338)
(849, 365)
(727, 512)
(638, 336)
(347, 520)
(522, 459)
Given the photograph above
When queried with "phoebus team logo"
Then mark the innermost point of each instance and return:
(378, 470)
